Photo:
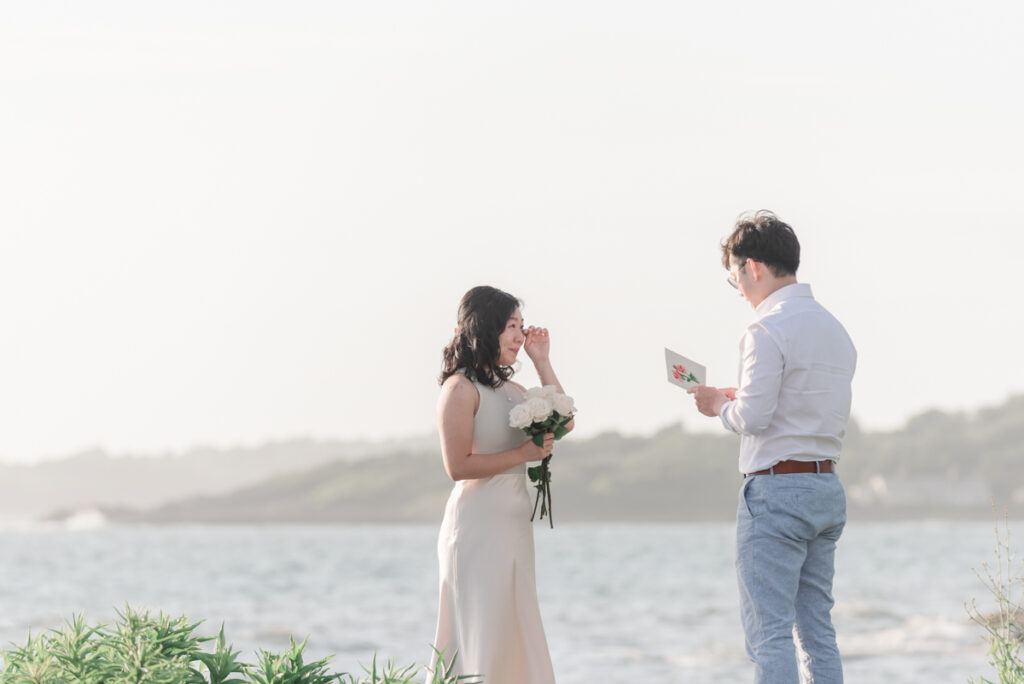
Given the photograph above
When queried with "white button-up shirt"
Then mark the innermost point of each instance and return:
(793, 397)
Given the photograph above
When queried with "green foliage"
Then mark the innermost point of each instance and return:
(443, 672)
(1004, 628)
(146, 649)
(391, 675)
(156, 650)
(76, 651)
(289, 668)
(223, 662)
(32, 664)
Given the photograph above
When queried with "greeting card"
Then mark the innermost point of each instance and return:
(683, 372)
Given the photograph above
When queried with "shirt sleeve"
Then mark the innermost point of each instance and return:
(757, 396)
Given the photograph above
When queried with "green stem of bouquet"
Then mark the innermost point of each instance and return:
(543, 492)
(541, 475)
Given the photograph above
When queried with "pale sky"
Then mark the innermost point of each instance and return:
(228, 222)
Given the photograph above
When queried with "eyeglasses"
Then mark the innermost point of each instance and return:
(733, 279)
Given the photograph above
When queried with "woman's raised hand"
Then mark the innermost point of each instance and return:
(538, 344)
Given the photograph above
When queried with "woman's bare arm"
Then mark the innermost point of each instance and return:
(455, 410)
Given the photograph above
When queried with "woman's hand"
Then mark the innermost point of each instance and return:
(532, 452)
(537, 344)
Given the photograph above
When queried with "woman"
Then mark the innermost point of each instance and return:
(488, 618)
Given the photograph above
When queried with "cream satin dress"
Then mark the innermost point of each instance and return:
(488, 614)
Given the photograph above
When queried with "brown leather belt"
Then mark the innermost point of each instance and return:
(790, 467)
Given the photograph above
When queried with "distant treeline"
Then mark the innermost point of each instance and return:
(938, 465)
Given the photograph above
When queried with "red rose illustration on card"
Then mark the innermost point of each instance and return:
(682, 371)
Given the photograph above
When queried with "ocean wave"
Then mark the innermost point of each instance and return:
(919, 634)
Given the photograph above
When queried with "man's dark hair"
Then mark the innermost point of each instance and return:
(763, 237)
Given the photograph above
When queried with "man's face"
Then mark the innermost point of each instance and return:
(738, 275)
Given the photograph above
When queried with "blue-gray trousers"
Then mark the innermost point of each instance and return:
(786, 532)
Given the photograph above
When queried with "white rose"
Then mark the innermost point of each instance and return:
(520, 416)
(550, 390)
(564, 404)
(535, 392)
(540, 408)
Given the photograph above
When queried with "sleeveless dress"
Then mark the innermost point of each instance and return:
(488, 615)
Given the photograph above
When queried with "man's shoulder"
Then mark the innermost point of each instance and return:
(797, 317)
(796, 307)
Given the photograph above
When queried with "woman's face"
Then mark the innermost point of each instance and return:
(511, 339)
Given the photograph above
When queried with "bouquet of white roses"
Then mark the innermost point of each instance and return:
(544, 409)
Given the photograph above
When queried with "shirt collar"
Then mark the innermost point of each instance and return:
(782, 294)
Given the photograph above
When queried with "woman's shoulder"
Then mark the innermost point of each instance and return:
(459, 384)
(456, 379)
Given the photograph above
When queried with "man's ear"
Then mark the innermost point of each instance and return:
(756, 269)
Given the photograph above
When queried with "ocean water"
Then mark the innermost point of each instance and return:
(621, 603)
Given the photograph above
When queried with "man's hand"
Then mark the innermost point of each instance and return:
(709, 399)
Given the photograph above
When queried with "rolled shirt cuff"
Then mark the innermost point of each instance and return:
(725, 420)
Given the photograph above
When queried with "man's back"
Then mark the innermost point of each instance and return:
(796, 368)
(819, 362)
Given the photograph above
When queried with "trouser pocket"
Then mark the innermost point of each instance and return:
(744, 507)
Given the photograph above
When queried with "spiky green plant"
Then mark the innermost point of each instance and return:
(444, 672)
(1004, 629)
(32, 663)
(441, 673)
(152, 650)
(392, 674)
(76, 650)
(289, 668)
(223, 662)
(141, 648)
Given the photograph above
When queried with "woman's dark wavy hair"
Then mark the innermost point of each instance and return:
(763, 237)
(483, 313)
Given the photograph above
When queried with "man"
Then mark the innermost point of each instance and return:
(790, 410)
